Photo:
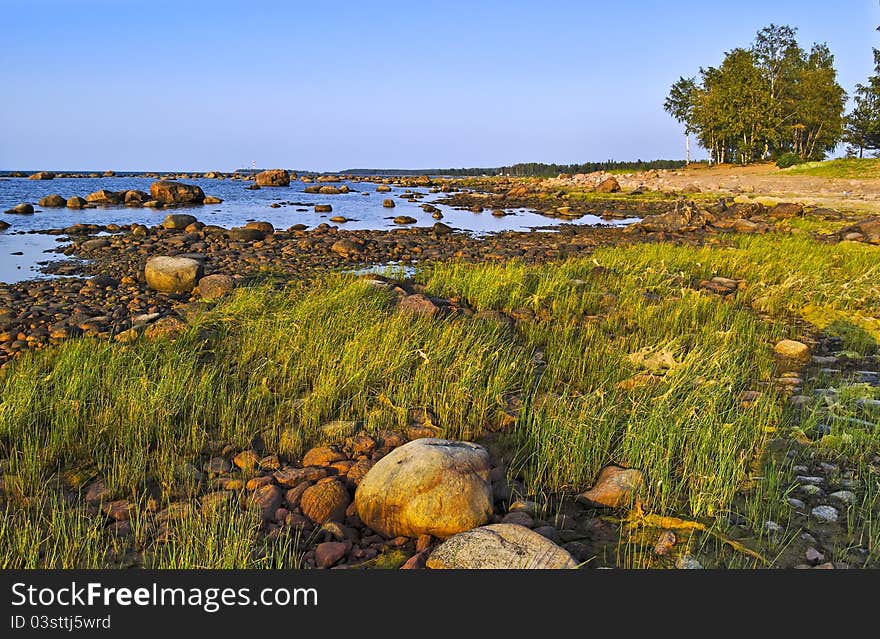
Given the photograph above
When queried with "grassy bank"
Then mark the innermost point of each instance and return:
(615, 358)
(845, 168)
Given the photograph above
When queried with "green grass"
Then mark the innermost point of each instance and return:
(277, 364)
(848, 168)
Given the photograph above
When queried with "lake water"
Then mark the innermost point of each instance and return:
(239, 206)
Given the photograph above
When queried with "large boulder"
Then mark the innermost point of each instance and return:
(105, 196)
(53, 201)
(216, 286)
(273, 177)
(135, 197)
(42, 175)
(428, 486)
(172, 274)
(499, 546)
(168, 192)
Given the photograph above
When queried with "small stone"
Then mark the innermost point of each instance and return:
(812, 491)
(843, 496)
(816, 481)
(519, 517)
(772, 527)
(246, 460)
(793, 350)
(796, 503)
(665, 541)
(814, 556)
(322, 456)
(688, 562)
(329, 552)
(825, 514)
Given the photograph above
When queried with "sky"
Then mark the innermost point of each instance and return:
(192, 85)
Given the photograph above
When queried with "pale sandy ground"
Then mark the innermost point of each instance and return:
(764, 182)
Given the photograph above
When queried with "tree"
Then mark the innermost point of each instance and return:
(763, 101)
(680, 105)
(862, 131)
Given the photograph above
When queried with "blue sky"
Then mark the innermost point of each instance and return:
(137, 85)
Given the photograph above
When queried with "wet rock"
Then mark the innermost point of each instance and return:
(272, 177)
(168, 192)
(106, 197)
(388, 204)
(428, 486)
(211, 199)
(323, 208)
(42, 175)
(53, 201)
(75, 202)
(615, 487)
(499, 546)
(405, 219)
(172, 274)
(21, 209)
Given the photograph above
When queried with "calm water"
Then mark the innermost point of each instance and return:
(239, 206)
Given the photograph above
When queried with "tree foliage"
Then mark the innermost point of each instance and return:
(764, 101)
(862, 131)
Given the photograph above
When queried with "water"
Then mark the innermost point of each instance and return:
(239, 206)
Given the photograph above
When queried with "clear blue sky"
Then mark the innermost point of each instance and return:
(137, 85)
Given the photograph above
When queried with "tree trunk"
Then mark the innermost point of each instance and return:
(687, 149)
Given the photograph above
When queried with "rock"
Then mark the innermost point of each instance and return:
(428, 486)
(499, 546)
(323, 208)
(210, 199)
(383, 188)
(338, 430)
(168, 192)
(42, 175)
(615, 487)
(92, 245)
(172, 274)
(845, 497)
(793, 350)
(825, 514)
(263, 227)
(339, 219)
(688, 562)
(346, 247)
(329, 552)
(520, 518)
(325, 501)
(105, 196)
(388, 204)
(785, 210)
(685, 216)
(405, 219)
(322, 456)
(135, 198)
(53, 201)
(440, 228)
(814, 556)
(4, 225)
(212, 287)
(329, 190)
(76, 202)
(273, 177)
(21, 209)
(665, 541)
(418, 304)
(268, 499)
(177, 221)
(608, 185)
(241, 234)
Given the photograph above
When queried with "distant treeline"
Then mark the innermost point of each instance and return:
(529, 169)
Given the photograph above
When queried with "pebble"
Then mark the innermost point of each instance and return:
(805, 479)
(688, 562)
(772, 527)
(796, 503)
(843, 496)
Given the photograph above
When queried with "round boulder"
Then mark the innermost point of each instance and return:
(793, 350)
(388, 204)
(21, 209)
(500, 546)
(325, 501)
(168, 192)
(172, 274)
(53, 201)
(76, 202)
(428, 486)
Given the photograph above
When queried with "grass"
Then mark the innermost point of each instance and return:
(846, 168)
(275, 365)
